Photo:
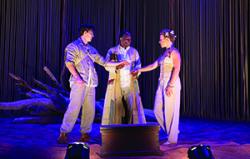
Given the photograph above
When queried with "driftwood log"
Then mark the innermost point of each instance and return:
(47, 103)
(44, 102)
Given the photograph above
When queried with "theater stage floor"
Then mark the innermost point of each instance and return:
(228, 140)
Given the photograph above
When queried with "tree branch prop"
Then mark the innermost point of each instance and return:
(20, 104)
(49, 99)
(53, 78)
(51, 75)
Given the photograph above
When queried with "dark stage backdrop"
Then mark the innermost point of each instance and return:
(212, 36)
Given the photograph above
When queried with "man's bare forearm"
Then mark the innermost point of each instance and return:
(73, 70)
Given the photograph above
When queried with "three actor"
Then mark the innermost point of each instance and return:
(122, 103)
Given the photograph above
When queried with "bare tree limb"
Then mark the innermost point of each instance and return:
(59, 87)
(43, 86)
(51, 98)
(38, 120)
(20, 81)
(51, 75)
(20, 104)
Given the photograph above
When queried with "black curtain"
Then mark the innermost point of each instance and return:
(105, 15)
(212, 36)
(30, 33)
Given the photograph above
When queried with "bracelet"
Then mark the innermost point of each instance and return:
(77, 77)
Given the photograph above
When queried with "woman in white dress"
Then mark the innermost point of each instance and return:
(167, 99)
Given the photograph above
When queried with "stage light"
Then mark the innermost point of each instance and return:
(77, 150)
(200, 152)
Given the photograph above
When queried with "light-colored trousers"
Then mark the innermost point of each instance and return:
(167, 111)
(81, 96)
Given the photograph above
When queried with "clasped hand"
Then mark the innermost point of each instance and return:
(122, 64)
(135, 72)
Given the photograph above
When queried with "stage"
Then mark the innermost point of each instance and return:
(229, 140)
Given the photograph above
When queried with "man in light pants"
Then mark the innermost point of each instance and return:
(80, 58)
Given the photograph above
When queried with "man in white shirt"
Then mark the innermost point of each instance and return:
(122, 101)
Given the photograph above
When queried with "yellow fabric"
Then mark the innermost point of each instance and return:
(114, 111)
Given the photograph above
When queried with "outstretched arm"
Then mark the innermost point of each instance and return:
(149, 67)
(110, 65)
(116, 64)
(106, 62)
(145, 69)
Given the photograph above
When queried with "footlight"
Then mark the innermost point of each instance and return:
(200, 152)
(77, 150)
